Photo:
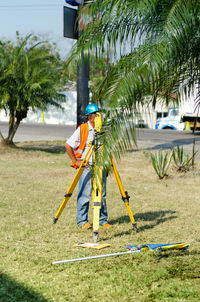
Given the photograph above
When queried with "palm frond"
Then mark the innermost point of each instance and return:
(116, 136)
(162, 57)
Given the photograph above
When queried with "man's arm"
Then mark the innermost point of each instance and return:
(70, 152)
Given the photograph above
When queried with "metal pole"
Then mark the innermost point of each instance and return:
(95, 257)
(82, 88)
(70, 16)
(82, 82)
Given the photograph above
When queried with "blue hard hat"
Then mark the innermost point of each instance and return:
(91, 108)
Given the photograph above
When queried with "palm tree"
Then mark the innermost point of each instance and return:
(156, 50)
(98, 69)
(30, 77)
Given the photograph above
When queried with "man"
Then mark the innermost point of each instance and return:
(76, 147)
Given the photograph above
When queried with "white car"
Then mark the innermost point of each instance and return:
(172, 121)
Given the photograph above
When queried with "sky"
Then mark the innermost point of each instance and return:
(41, 17)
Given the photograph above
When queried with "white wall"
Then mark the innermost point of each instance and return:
(69, 114)
(53, 115)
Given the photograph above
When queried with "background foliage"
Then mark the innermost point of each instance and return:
(31, 77)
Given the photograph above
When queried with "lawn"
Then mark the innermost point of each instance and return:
(34, 178)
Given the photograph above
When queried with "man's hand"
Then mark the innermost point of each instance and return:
(70, 152)
(77, 163)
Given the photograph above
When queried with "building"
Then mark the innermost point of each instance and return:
(145, 116)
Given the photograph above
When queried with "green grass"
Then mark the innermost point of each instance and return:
(34, 178)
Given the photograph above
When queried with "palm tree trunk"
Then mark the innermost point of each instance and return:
(11, 124)
(15, 127)
(1, 136)
(8, 141)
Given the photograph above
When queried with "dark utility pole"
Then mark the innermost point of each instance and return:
(82, 88)
(70, 18)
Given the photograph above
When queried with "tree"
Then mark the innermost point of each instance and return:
(156, 47)
(31, 76)
(98, 69)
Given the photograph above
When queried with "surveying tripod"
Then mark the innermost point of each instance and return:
(96, 187)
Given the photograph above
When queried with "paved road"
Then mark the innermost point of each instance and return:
(146, 138)
(38, 132)
(165, 139)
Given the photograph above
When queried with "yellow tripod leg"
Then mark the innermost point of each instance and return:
(96, 203)
(124, 194)
(96, 199)
(69, 192)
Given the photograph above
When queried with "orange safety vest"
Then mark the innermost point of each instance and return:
(79, 150)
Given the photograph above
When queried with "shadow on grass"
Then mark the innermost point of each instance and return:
(156, 218)
(49, 148)
(157, 222)
(11, 291)
(147, 216)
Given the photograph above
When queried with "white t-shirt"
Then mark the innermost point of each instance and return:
(75, 140)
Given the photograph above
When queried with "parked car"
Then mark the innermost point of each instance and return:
(172, 121)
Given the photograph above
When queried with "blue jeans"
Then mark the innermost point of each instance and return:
(84, 196)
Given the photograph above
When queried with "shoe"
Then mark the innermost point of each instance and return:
(107, 225)
(86, 226)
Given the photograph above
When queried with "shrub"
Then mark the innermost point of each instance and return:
(161, 162)
(182, 160)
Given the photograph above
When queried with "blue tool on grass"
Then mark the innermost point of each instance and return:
(158, 247)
